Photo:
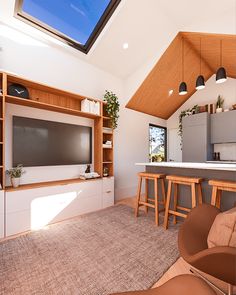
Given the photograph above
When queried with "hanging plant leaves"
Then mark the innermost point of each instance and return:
(112, 107)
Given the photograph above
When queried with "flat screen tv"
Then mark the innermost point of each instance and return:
(46, 143)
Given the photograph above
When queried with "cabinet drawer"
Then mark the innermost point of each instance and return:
(2, 202)
(23, 200)
(107, 199)
(108, 184)
(1, 225)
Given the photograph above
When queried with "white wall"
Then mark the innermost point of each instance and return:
(201, 97)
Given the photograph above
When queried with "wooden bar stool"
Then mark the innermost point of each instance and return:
(152, 203)
(217, 187)
(196, 191)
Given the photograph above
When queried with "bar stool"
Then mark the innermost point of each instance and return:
(217, 187)
(196, 189)
(147, 201)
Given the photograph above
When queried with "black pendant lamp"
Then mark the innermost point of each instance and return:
(200, 82)
(221, 76)
(183, 86)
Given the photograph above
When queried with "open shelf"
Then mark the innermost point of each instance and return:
(47, 183)
(49, 107)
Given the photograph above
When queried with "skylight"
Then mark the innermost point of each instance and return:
(76, 22)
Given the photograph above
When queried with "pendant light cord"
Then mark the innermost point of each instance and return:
(182, 59)
(220, 53)
(200, 56)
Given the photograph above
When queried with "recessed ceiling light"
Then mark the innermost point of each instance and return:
(125, 46)
(171, 91)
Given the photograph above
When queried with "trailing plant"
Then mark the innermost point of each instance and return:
(183, 114)
(219, 102)
(16, 172)
(112, 108)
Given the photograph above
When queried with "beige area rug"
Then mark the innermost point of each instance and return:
(95, 254)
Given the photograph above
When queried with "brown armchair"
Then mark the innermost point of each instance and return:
(180, 285)
(220, 262)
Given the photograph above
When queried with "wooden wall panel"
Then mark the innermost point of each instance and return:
(153, 97)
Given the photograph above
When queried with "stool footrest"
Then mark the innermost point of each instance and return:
(159, 202)
(146, 204)
(183, 208)
(177, 213)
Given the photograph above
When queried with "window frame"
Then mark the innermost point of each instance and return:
(165, 143)
(20, 14)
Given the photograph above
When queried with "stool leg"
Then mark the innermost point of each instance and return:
(138, 196)
(218, 198)
(156, 202)
(214, 196)
(163, 191)
(175, 201)
(193, 189)
(167, 205)
(146, 195)
(199, 190)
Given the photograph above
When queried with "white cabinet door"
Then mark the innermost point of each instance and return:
(35, 208)
(108, 192)
(1, 214)
(174, 147)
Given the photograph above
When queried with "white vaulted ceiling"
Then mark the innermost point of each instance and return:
(148, 26)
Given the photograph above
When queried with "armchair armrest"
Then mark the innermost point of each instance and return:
(193, 233)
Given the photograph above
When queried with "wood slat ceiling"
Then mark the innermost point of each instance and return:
(153, 98)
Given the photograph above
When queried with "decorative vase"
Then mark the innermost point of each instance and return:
(219, 110)
(15, 181)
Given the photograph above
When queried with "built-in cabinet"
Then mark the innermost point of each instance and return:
(34, 208)
(223, 127)
(1, 214)
(196, 138)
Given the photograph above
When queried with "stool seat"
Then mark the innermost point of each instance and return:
(151, 175)
(182, 179)
(181, 285)
(218, 187)
(148, 202)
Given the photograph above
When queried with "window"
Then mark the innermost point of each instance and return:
(76, 22)
(157, 143)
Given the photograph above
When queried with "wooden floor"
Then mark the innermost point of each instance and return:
(180, 266)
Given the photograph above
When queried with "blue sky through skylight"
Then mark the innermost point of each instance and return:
(74, 18)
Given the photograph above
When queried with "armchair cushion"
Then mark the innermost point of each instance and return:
(223, 230)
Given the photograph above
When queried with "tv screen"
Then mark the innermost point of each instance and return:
(46, 143)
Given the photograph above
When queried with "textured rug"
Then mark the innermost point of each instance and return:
(95, 254)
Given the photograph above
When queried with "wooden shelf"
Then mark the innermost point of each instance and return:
(108, 148)
(46, 184)
(106, 118)
(46, 88)
(49, 107)
(108, 162)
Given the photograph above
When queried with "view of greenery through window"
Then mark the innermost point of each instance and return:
(157, 143)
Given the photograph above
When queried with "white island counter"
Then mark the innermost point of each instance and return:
(207, 171)
(210, 166)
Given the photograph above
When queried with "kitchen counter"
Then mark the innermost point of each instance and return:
(207, 171)
(209, 166)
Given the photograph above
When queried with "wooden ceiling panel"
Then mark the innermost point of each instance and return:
(153, 98)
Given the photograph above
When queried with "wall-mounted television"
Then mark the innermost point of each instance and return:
(46, 143)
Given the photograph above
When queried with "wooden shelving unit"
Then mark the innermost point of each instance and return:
(56, 100)
(107, 152)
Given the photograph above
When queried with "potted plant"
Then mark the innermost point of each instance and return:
(188, 112)
(105, 171)
(112, 107)
(219, 104)
(15, 175)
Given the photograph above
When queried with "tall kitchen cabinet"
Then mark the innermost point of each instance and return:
(197, 145)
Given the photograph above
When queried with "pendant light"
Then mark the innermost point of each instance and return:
(200, 82)
(183, 86)
(221, 76)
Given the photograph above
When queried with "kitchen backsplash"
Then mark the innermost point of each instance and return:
(227, 151)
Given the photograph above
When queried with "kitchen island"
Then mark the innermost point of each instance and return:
(206, 171)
